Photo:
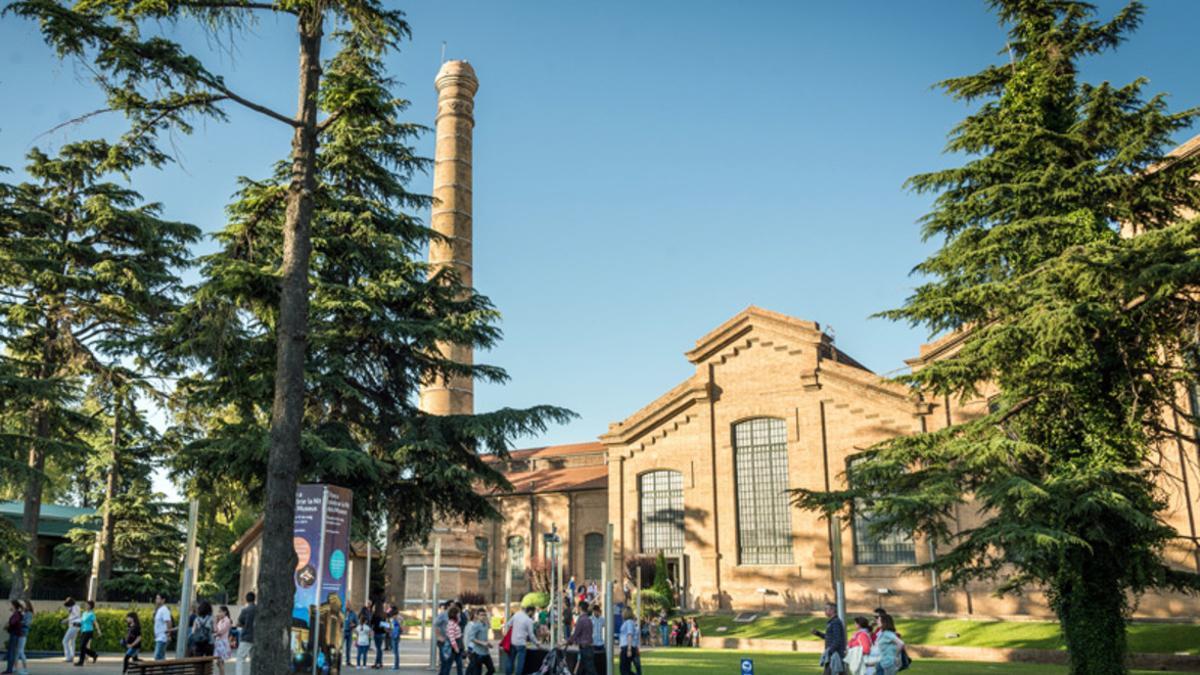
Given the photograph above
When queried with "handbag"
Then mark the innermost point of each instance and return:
(905, 659)
(506, 641)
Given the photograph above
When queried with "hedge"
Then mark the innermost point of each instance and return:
(46, 633)
(537, 599)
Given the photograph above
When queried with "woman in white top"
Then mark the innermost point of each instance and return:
(72, 622)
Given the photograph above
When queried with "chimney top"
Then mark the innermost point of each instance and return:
(456, 73)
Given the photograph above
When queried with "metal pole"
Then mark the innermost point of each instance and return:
(558, 565)
(608, 600)
(189, 572)
(367, 588)
(839, 584)
(437, 576)
(424, 597)
(320, 558)
(637, 613)
(933, 578)
(508, 586)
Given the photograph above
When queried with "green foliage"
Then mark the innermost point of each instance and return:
(48, 627)
(662, 584)
(1081, 329)
(539, 599)
(654, 601)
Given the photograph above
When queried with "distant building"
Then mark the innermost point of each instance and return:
(54, 523)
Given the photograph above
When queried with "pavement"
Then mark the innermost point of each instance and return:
(414, 660)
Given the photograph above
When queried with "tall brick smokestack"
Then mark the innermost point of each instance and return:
(456, 85)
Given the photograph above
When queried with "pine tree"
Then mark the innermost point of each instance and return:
(86, 271)
(159, 86)
(1080, 328)
(377, 314)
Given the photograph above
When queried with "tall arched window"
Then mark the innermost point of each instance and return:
(662, 511)
(893, 548)
(516, 553)
(481, 544)
(763, 514)
(593, 554)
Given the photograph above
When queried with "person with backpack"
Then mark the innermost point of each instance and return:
(89, 629)
(349, 624)
(200, 639)
(396, 624)
(519, 634)
(14, 636)
(363, 642)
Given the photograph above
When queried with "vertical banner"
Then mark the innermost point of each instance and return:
(322, 543)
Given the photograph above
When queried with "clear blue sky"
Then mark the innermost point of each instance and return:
(643, 170)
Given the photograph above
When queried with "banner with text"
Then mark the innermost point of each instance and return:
(322, 543)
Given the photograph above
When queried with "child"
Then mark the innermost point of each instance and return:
(132, 641)
(364, 644)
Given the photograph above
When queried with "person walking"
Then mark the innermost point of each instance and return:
(630, 642)
(834, 655)
(478, 646)
(221, 648)
(451, 650)
(26, 626)
(396, 627)
(363, 642)
(598, 626)
(162, 627)
(14, 635)
(132, 640)
(582, 636)
(200, 638)
(885, 654)
(349, 624)
(245, 624)
(72, 624)
(859, 647)
(88, 631)
(664, 629)
(522, 627)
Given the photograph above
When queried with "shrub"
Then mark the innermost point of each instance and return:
(539, 599)
(471, 599)
(46, 633)
(653, 602)
(662, 585)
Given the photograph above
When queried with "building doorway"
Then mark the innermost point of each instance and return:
(677, 573)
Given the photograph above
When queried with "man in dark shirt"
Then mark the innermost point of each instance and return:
(835, 641)
(582, 636)
(245, 624)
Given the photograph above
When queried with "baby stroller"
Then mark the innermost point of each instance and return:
(555, 663)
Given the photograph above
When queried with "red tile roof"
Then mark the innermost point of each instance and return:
(559, 480)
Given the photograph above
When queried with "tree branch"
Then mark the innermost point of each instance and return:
(216, 84)
(236, 5)
(329, 120)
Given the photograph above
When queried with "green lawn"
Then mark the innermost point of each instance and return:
(728, 662)
(1143, 637)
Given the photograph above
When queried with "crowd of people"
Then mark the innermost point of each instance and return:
(874, 649)
(464, 636)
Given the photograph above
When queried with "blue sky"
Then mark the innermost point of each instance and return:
(643, 170)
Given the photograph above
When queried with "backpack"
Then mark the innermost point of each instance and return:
(905, 660)
(202, 631)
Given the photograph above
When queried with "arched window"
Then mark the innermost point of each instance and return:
(516, 554)
(894, 548)
(481, 543)
(593, 554)
(763, 513)
(662, 511)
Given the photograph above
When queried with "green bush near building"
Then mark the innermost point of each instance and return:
(46, 633)
(537, 599)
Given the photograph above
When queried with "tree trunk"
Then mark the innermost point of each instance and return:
(104, 561)
(1091, 610)
(22, 585)
(272, 654)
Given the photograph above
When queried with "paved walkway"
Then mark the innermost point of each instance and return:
(414, 660)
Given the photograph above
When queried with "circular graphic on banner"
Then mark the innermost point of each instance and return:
(303, 551)
(337, 564)
(306, 577)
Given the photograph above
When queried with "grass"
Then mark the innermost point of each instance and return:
(724, 662)
(1143, 637)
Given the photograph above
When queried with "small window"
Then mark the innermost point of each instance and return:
(895, 548)
(516, 555)
(481, 544)
(593, 555)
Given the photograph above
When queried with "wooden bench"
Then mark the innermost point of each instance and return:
(202, 665)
